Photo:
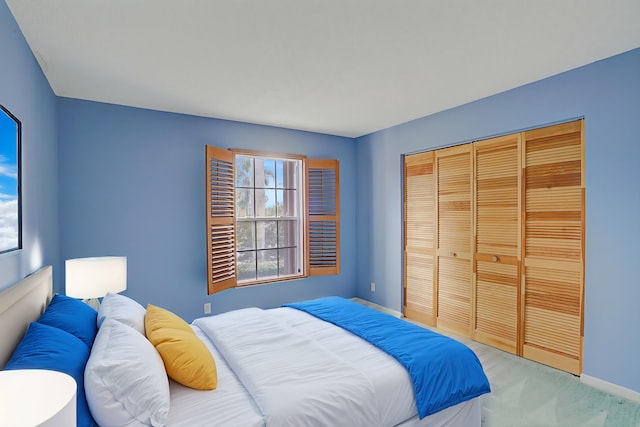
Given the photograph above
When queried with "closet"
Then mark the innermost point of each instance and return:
(494, 242)
(496, 272)
(453, 236)
(419, 238)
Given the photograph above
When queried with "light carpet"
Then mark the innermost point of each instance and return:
(527, 394)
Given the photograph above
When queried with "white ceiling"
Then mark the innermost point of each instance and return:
(341, 67)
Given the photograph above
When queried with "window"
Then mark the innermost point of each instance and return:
(270, 217)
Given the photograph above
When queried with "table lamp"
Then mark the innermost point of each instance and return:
(92, 278)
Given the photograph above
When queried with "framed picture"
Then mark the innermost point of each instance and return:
(10, 205)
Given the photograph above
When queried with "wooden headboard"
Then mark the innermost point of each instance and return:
(20, 305)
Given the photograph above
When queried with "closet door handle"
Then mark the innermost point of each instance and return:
(495, 258)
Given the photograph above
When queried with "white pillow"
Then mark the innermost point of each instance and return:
(124, 379)
(122, 309)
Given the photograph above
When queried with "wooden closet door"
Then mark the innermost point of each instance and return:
(497, 237)
(454, 238)
(554, 245)
(419, 238)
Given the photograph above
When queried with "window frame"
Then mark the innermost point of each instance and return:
(320, 227)
(300, 217)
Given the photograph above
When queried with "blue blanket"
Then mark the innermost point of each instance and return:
(444, 371)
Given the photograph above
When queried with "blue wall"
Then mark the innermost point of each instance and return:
(133, 183)
(607, 95)
(26, 93)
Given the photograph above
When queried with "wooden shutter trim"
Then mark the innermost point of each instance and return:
(322, 252)
(221, 245)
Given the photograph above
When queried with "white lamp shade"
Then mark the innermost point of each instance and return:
(94, 277)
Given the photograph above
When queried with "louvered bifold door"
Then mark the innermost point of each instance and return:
(221, 254)
(323, 217)
(554, 245)
(454, 238)
(497, 258)
(419, 238)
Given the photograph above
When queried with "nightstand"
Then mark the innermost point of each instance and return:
(36, 397)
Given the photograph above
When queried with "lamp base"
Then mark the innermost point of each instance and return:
(93, 303)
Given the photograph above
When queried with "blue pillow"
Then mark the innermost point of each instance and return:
(73, 316)
(46, 347)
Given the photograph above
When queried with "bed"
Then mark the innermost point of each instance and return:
(297, 368)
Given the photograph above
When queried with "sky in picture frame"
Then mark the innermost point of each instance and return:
(9, 222)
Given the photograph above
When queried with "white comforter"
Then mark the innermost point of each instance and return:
(231, 405)
(294, 380)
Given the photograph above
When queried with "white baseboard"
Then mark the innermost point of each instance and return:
(377, 307)
(610, 387)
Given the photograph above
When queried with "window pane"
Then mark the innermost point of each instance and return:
(279, 174)
(268, 225)
(287, 200)
(244, 203)
(265, 202)
(287, 262)
(287, 174)
(287, 231)
(244, 171)
(245, 232)
(267, 263)
(279, 203)
(266, 234)
(265, 173)
(246, 265)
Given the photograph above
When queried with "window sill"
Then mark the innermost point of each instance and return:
(242, 284)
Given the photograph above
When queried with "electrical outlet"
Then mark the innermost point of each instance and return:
(373, 287)
(207, 308)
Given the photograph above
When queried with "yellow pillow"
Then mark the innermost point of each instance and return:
(186, 359)
(159, 318)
